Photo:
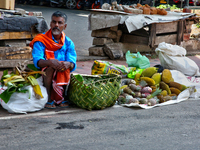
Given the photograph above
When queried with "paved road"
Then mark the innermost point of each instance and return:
(172, 127)
(77, 25)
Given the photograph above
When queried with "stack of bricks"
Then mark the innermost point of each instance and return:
(106, 42)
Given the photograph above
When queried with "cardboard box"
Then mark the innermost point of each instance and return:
(12, 4)
(7, 4)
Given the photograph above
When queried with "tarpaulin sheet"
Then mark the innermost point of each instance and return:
(105, 19)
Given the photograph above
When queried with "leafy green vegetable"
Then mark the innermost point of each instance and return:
(32, 67)
(12, 88)
(198, 25)
(79, 77)
(167, 6)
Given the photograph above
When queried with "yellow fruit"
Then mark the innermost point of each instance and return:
(164, 93)
(176, 85)
(166, 76)
(175, 91)
(149, 81)
(164, 86)
(157, 78)
(149, 72)
(183, 87)
(137, 78)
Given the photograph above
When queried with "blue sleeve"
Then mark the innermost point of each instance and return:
(38, 53)
(71, 53)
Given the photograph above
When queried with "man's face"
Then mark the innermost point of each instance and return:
(57, 25)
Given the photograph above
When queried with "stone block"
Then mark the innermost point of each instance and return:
(104, 33)
(101, 41)
(191, 45)
(114, 50)
(96, 51)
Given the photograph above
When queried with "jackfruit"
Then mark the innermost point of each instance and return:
(149, 81)
(176, 85)
(166, 76)
(164, 86)
(157, 78)
(175, 91)
(149, 72)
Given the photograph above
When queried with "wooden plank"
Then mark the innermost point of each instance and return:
(152, 35)
(171, 38)
(128, 38)
(12, 63)
(166, 27)
(134, 48)
(16, 35)
(140, 32)
(180, 32)
(15, 53)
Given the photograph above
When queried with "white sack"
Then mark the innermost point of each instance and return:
(20, 102)
(173, 57)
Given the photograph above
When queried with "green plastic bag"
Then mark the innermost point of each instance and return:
(137, 60)
(132, 73)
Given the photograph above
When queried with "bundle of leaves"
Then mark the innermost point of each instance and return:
(15, 82)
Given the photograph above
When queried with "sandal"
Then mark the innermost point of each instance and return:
(63, 104)
(51, 105)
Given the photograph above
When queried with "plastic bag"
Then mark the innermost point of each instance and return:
(173, 57)
(105, 67)
(137, 60)
(132, 73)
(20, 102)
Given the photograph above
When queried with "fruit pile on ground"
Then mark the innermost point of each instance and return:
(150, 87)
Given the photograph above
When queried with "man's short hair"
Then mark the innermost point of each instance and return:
(60, 14)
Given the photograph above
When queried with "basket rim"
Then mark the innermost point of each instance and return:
(99, 75)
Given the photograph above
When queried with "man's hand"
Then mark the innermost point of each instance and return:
(65, 65)
(55, 64)
(60, 66)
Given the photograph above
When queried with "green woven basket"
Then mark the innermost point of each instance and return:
(94, 92)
